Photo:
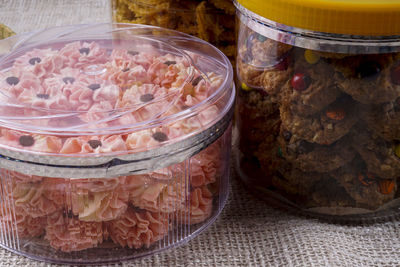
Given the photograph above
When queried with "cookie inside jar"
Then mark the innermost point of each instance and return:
(316, 122)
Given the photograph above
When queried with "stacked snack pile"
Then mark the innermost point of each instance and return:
(86, 84)
(319, 128)
(211, 20)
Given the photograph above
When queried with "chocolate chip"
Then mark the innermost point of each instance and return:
(26, 140)
(197, 80)
(43, 96)
(12, 80)
(68, 80)
(126, 69)
(146, 98)
(169, 62)
(160, 136)
(34, 60)
(287, 135)
(94, 143)
(304, 147)
(133, 53)
(84, 50)
(94, 86)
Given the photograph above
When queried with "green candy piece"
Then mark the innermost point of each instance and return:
(261, 38)
(280, 154)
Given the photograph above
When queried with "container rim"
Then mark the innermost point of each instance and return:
(314, 40)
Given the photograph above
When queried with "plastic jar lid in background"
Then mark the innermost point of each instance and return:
(356, 17)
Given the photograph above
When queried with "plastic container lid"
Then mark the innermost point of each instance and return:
(109, 99)
(355, 17)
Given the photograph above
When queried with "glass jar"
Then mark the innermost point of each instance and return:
(114, 141)
(318, 106)
(212, 20)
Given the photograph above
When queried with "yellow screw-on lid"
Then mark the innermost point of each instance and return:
(355, 17)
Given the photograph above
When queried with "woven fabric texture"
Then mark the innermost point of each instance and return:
(248, 232)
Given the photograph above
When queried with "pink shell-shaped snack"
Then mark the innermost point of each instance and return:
(34, 142)
(96, 185)
(29, 197)
(125, 74)
(140, 95)
(41, 62)
(208, 115)
(11, 85)
(101, 206)
(92, 200)
(146, 101)
(200, 206)
(142, 139)
(15, 220)
(93, 144)
(206, 165)
(184, 126)
(26, 194)
(135, 229)
(156, 195)
(83, 54)
(71, 85)
(45, 99)
(163, 74)
(57, 190)
(122, 59)
(70, 234)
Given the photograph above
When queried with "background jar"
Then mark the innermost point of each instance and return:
(212, 21)
(317, 123)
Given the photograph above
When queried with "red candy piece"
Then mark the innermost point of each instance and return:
(300, 81)
(395, 75)
(284, 64)
(336, 115)
(386, 186)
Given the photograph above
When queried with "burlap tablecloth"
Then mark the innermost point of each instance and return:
(248, 232)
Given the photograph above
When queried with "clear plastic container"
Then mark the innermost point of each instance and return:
(318, 106)
(211, 20)
(114, 141)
